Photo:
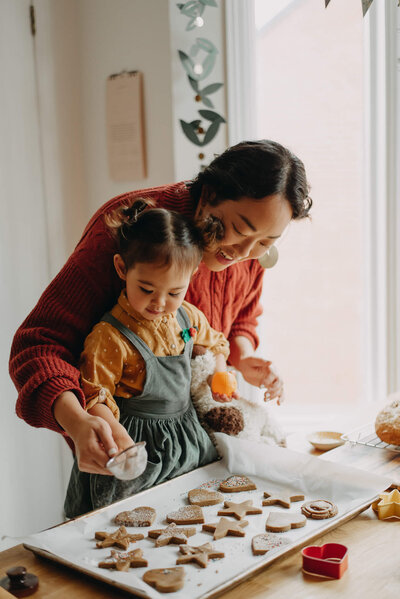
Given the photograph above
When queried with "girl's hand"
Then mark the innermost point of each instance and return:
(261, 373)
(224, 398)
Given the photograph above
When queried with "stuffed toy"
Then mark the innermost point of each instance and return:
(240, 417)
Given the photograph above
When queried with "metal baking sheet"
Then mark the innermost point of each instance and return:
(72, 543)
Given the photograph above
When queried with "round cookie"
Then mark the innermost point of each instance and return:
(387, 423)
(319, 509)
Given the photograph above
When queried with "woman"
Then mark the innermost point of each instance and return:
(244, 200)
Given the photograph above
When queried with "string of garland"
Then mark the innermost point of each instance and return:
(197, 70)
(364, 3)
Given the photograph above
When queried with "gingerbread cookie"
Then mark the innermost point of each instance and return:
(119, 538)
(236, 483)
(387, 423)
(204, 497)
(165, 580)
(171, 534)
(226, 527)
(140, 516)
(200, 555)
(123, 561)
(267, 541)
(238, 510)
(281, 522)
(283, 498)
(319, 509)
(189, 514)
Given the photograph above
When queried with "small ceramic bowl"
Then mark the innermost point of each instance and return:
(324, 440)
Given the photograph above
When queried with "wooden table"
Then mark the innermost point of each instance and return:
(373, 573)
(374, 570)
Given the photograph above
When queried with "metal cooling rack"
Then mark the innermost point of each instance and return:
(366, 436)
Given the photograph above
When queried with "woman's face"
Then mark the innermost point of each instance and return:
(251, 227)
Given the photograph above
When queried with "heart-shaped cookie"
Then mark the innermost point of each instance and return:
(204, 497)
(140, 516)
(329, 560)
(267, 541)
(280, 522)
(237, 483)
(165, 580)
(189, 514)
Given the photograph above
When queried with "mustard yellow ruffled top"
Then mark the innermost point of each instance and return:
(110, 365)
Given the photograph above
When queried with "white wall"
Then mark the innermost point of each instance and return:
(31, 486)
(118, 35)
(51, 184)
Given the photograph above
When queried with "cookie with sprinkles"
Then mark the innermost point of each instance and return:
(204, 497)
(140, 516)
(189, 514)
(237, 483)
(267, 541)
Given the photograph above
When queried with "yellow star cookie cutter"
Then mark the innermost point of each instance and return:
(388, 505)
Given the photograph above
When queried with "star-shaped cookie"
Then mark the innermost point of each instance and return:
(226, 527)
(238, 510)
(119, 538)
(283, 498)
(200, 555)
(123, 561)
(171, 534)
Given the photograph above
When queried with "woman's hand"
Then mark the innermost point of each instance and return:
(261, 373)
(96, 436)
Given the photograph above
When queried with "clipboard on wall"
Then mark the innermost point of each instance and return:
(125, 126)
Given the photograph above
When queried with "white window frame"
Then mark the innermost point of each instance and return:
(381, 180)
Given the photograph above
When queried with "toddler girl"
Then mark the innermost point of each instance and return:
(135, 366)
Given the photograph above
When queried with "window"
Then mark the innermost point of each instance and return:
(325, 85)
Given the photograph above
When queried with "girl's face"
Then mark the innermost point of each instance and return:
(152, 290)
(251, 227)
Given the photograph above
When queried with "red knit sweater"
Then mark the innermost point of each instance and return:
(46, 347)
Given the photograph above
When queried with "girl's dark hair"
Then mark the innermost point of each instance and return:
(256, 169)
(155, 235)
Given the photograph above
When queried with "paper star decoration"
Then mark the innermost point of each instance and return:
(200, 555)
(284, 498)
(119, 538)
(226, 527)
(171, 534)
(238, 510)
(123, 561)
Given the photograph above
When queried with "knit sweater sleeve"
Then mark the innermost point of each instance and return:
(245, 323)
(45, 351)
(46, 347)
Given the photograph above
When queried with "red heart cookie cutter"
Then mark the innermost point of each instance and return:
(329, 560)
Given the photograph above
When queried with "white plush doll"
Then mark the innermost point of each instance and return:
(240, 417)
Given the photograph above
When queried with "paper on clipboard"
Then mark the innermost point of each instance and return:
(125, 126)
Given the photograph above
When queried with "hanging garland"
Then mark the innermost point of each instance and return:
(365, 5)
(200, 131)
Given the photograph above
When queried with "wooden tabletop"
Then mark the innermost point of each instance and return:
(373, 572)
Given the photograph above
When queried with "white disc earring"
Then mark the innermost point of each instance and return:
(270, 258)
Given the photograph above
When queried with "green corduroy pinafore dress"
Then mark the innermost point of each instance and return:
(163, 416)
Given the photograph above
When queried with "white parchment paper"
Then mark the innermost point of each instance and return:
(271, 468)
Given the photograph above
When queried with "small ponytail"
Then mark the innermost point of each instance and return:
(145, 234)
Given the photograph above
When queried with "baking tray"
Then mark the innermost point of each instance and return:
(366, 435)
(72, 543)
